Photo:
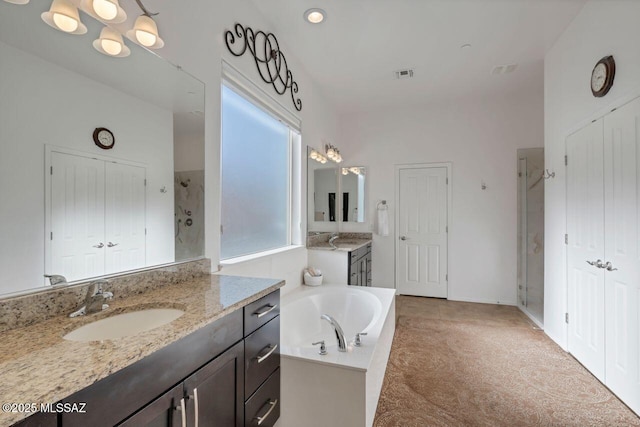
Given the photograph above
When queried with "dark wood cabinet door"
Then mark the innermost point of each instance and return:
(166, 411)
(40, 419)
(216, 391)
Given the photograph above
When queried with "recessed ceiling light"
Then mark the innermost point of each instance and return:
(314, 15)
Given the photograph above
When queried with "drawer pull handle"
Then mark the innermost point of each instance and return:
(195, 400)
(183, 410)
(269, 308)
(273, 404)
(272, 349)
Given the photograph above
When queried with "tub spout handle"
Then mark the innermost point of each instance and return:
(323, 348)
(357, 341)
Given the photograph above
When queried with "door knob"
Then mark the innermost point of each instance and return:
(597, 263)
(403, 237)
(609, 266)
(110, 245)
(99, 245)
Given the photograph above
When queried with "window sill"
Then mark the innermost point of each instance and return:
(251, 257)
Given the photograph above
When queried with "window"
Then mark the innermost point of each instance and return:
(257, 170)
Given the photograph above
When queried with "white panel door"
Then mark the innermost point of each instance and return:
(422, 245)
(622, 283)
(125, 208)
(77, 216)
(585, 226)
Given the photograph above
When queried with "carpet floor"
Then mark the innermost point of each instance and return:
(464, 364)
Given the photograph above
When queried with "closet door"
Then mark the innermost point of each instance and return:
(125, 207)
(622, 283)
(77, 216)
(585, 226)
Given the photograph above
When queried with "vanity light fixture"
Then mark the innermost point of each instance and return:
(314, 15)
(64, 16)
(314, 155)
(110, 43)
(333, 153)
(107, 10)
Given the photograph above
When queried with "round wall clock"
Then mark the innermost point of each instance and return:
(103, 138)
(602, 76)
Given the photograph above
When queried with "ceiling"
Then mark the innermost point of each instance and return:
(354, 53)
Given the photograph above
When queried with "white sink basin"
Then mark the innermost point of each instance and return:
(124, 325)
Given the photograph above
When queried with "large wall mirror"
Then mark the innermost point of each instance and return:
(68, 206)
(322, 191)
(352, 187)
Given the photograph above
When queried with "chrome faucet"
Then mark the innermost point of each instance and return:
(94, 301)
(332, 239)
(342, 342)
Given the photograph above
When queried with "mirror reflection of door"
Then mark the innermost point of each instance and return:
(345, 207)
(332, 207)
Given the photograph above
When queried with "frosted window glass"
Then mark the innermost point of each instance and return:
(255, 178)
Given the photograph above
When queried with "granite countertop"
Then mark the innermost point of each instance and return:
(343, 244)
(38, 366)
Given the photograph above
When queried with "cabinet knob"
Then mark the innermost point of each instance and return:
(403, 237)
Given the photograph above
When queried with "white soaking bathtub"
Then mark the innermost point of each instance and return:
(340, 388)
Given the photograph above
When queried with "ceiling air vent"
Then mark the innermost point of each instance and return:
(404, 74)
(504, 69)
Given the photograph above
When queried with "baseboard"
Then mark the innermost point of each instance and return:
(483, 301)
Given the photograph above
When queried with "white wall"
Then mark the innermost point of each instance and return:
(68, 107)
(480, 137)
(194, 36)
(602, 28)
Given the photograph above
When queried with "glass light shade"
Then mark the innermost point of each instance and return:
(145, 32)
(313, 155)
(338, 158)
(110, 43)
(64, 16)
(330, 153)
(345, 171)
(323, 161)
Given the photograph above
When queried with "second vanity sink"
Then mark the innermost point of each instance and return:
(124, 325)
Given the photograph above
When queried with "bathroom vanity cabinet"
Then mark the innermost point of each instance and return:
(343, 266)
(223, 374)
(360, 266)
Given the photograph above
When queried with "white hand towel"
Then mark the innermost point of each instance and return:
(383, 222)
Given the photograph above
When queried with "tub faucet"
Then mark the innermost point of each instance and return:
(94, 301)
(342, 342)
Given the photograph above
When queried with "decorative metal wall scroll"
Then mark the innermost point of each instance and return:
(271, 63)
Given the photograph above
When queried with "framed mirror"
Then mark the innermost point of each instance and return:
(352, 187)
(70, 206)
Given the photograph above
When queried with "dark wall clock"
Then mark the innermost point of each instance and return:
(104, 138)
(602, 76)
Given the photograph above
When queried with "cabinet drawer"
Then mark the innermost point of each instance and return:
(264, 405)
(40, 419)
(261, 311)
(262, 355)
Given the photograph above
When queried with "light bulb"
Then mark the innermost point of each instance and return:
(145, 38)
(65, 23)
(105, 9)
(345, 171)
(112, 47)
(323, 161)
(313, 155)
(331, 153)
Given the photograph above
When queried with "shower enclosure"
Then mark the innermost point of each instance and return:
(531, 179)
